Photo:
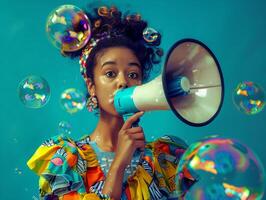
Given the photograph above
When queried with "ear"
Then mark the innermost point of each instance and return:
(90, 87)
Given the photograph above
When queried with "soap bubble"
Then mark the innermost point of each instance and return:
(220, 169)
(15, 140)
(64, 128)
(68, 28)
(34, 197)
(18, 171)
(34, 91)
(150, 35)
(72, 100)
(249, 97)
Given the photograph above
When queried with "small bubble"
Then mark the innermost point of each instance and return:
(64, 128)
(72, 100)
(18, 171)
(150, 35)
(15, 140)
(249, 97)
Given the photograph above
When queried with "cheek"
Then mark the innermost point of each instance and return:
(135, 82)
(104, 92)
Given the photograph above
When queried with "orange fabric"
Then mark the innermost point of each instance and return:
(93, 175)
(163, 147)
(71, 159)
(72, 196)
(149, 160)
(187, 174)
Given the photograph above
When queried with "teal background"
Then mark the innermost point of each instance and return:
(234, 30)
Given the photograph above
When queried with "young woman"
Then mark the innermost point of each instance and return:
(105, 163)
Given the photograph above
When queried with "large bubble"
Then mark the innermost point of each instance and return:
(34, 91)
(249, 97)
(220, 169)
(72, 100)
(68, 28)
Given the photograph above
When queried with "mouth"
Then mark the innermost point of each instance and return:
(111, 96)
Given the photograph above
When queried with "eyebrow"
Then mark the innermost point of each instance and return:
(114, 63)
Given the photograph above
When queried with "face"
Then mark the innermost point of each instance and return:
(116, 68)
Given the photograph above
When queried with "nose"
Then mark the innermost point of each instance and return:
(122, 82)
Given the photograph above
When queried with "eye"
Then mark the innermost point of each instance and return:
(110, 74)
(133, 75)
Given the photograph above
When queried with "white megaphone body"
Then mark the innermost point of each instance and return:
(191, 85)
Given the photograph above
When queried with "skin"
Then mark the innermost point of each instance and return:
(116, 68)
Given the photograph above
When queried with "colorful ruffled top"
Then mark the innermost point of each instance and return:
(76, 170)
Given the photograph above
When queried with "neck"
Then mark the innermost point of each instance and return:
(106, 131)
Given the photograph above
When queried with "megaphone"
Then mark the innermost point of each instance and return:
(191, 85)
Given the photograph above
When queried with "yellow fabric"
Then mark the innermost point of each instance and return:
(138, 184)
(45, 185)
(42, 158)
(88, 154)
(91, 196)
(168, 171)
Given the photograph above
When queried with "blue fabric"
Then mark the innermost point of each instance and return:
(105, 160)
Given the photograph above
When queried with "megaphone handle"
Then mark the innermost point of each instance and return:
(135, 124)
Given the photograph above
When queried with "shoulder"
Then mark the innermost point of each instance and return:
(165, 153)
(59, 151)
(61, 163)
(168, 144)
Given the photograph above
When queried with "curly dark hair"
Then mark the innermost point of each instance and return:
(126, 31)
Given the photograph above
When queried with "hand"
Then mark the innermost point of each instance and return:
(129, 139)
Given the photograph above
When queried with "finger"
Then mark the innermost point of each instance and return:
(137, 136)
(132, 119)
(135, 129)
(140, 144)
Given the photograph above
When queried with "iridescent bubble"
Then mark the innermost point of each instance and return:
(64, 128)
(18, 171)
(150, 35)
(34, 91)
(34, 197)
(15, 140)
(68, 28)
(249, 97)
(219, 168)
(72, 100)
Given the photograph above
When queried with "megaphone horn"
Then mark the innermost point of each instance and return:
(191, 85)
